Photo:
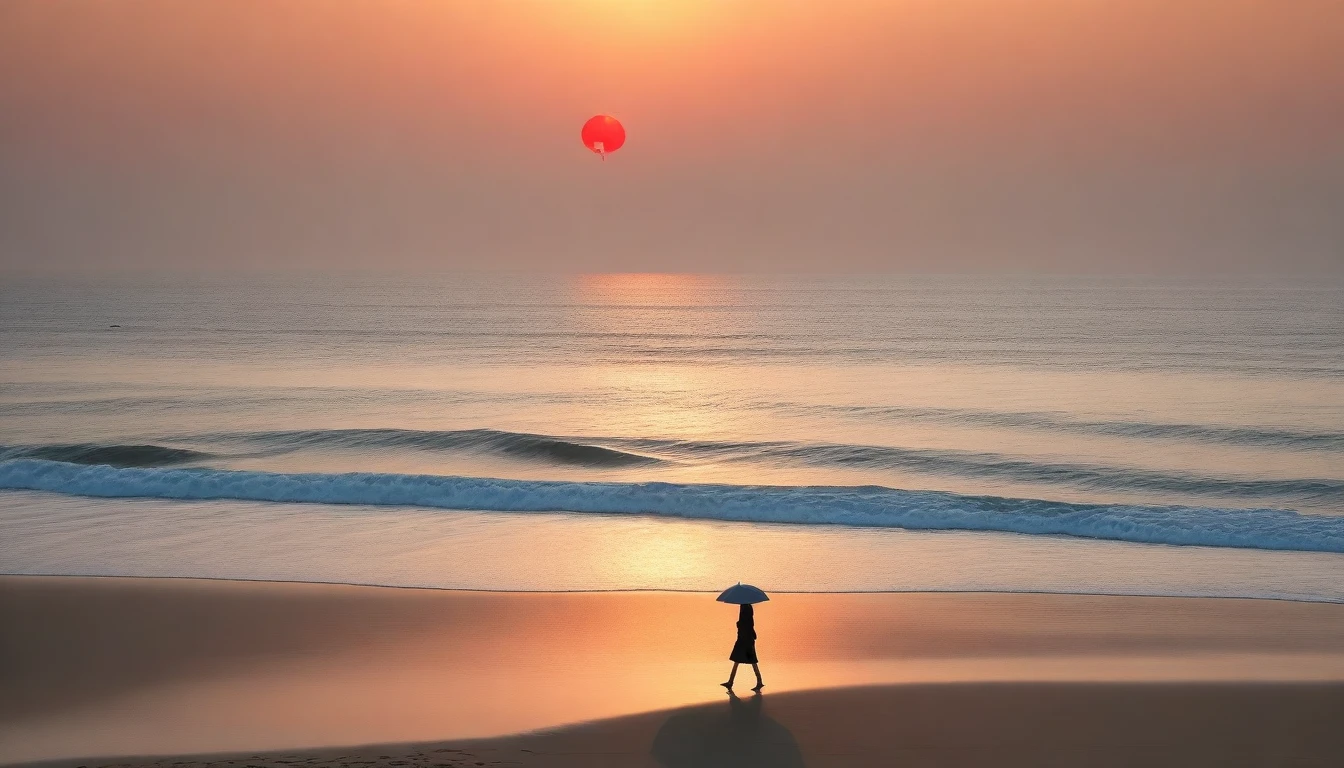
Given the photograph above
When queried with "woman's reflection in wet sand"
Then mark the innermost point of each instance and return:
(709, 737)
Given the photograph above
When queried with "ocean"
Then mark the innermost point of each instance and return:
(605, 432)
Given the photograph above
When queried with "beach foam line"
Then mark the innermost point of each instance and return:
(871, 506)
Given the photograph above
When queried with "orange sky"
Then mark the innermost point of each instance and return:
(870, 134)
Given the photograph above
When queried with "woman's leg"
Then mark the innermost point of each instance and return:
(759, 682)
(731, 677)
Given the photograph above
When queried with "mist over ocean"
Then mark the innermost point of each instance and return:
(1156, 436)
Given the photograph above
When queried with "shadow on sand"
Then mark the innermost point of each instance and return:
(741, 736)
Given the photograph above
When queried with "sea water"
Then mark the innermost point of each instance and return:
(1080, 434)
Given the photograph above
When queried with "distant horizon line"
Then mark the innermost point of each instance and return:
(10, 270)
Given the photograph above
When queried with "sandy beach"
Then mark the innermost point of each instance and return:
(282, 674)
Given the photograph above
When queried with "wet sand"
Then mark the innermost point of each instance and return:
(156, 666)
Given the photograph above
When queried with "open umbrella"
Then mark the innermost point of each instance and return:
(743, 594)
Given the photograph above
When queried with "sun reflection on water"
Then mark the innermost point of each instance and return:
(666, 556)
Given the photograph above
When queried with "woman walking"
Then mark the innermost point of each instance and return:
(744, 650)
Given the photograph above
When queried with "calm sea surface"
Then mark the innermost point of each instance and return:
(536, 432)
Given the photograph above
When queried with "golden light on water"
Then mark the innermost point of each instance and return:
(673, 555)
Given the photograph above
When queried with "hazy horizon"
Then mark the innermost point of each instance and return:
(73, 272)
(861, 136)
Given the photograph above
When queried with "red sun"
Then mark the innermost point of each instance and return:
(603, 134)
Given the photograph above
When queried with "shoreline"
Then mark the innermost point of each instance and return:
(181, 666)
(423, 548)
(653, 591)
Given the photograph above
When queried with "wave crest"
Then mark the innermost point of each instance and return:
(1260, 437)
(112, 455)
(557, 450)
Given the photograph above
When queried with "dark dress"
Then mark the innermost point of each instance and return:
(744, 650)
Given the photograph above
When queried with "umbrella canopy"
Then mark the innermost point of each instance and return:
(743, 594)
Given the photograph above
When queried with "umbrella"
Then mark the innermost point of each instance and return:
(743, 594)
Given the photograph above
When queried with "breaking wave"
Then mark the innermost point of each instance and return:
(854, 506)
(616, 452)
(635, 452)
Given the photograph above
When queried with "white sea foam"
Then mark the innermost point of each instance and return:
(852, 506)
